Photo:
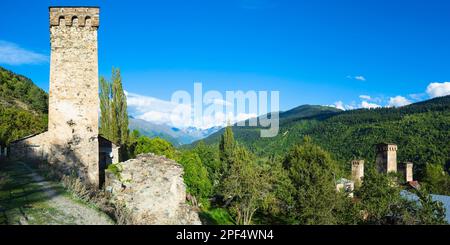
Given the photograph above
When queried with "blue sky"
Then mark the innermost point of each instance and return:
(349, 53)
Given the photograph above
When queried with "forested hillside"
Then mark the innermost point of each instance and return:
(421, 130)
(23, 107)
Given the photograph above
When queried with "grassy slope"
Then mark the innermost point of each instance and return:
(23, 107)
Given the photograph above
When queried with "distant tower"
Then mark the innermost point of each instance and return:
(357, 171)
(73, 98)
(409, 171)
(386, 160)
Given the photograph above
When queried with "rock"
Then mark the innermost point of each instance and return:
(152, 188)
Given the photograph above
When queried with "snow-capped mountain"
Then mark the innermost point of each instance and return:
(174, 135)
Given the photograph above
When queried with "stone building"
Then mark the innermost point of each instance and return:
(357, 171)
(72, 140)
(386, 160)
(407, 171)
(346, 186)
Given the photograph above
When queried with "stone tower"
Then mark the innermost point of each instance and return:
(386, 160)
(72, 142)
(357, 171)
(73, 96)
(408, 171)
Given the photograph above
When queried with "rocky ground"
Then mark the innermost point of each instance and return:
(26, 198)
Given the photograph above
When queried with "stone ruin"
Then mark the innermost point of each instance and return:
(152, 188)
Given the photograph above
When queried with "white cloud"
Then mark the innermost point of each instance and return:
(12, 54)
(367, 105)
(398, 101)
(365, 97)
(438, 89)
(179, 115)
(341, 106)
(360, 78)
(155, 110)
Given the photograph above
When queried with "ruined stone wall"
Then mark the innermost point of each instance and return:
(73, 96)
(153, 190)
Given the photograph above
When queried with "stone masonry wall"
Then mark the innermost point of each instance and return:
(153, 190)
(73, 98)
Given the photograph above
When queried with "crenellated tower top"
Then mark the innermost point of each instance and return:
(385, 147)
(74, 16)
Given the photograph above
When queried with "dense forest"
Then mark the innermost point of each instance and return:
(23, 107)
(421, 131)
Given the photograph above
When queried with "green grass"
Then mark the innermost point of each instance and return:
(216, 216)
(22, 200)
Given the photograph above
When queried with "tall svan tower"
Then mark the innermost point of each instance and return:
(386, 160)
(73, 97)
(72, 142)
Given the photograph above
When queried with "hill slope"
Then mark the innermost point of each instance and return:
(23, 107)
(421, 130)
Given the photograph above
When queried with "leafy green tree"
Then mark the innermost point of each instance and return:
(210, 159)
(16, 123)
(429, 212)
(437, 180)
(156, 146)
(23, 107)
(246, 187)
(113, 110)
(105, 108)
(114, 115)
(226, 148)
(196, 177)
(384, 202)
(119, 110)
(130, 151)
(312, 172)
(380, 198)
(282, 205)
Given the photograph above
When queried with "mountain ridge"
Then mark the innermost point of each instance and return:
(176, 136)
(421, 131)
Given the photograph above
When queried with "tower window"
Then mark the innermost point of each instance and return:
(74, 21)
(62, 21)
(88, 21)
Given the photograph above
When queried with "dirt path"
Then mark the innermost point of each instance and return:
(27, 198)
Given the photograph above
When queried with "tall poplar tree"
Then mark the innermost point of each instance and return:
(226, 148)
(113, 106)
(119, 110)
(105, 108)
